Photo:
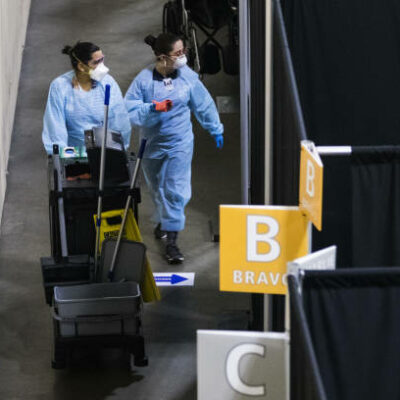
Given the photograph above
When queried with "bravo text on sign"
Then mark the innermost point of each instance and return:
(256, 242)
(311, 182)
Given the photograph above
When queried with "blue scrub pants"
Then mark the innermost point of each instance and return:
(169, 182)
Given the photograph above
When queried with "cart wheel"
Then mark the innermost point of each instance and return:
(59, 356)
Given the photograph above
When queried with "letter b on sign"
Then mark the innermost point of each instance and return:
(310, 188)
(271, 228)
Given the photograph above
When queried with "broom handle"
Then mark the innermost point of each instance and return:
(128, 202)
(61, 213)
(101, 178)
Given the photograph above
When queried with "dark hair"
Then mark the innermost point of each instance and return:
(81, 51)
(163, 44)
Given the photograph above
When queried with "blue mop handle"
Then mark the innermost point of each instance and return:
(107, 96)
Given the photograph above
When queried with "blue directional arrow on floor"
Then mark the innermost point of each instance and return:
(174, 278)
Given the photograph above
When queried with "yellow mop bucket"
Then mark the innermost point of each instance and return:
(109, 228)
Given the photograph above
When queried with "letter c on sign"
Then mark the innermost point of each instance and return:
(232, 368)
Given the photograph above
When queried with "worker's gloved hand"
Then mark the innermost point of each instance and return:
(162, 106)
(219, 141)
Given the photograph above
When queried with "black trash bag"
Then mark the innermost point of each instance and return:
(210, 62)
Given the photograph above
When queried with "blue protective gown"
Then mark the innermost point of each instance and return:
(70, 111)
(169, 150)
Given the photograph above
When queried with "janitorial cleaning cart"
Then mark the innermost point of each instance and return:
(96, 299)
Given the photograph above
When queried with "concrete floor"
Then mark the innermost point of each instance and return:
(170, 325)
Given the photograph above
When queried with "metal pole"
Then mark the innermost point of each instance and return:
(61, 213)
(304, 336)
(101, 177)
(244, 49)
(290, 71)
(268, 161)
(268, 101)
(333, 150)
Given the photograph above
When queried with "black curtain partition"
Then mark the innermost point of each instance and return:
(346, 56)
(337, 210)
(305, 376)
(375, 174)
(257, 101)
(354, 321)
(287, 132)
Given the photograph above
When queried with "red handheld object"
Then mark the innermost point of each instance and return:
(163, 106)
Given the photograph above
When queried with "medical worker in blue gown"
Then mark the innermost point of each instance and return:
(76, 100)
(159, 102)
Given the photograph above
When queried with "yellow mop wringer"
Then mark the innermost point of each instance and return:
(111, 227)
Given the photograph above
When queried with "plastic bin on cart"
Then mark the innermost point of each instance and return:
(98, 309)
(65, 271)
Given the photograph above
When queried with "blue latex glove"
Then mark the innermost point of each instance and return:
(219, 141)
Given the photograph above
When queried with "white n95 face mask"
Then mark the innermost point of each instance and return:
(99, 72)
(180, 62)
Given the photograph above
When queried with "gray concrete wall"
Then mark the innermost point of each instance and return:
(13, 23)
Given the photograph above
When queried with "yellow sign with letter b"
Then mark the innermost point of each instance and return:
(256, 242)
(311, 182)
